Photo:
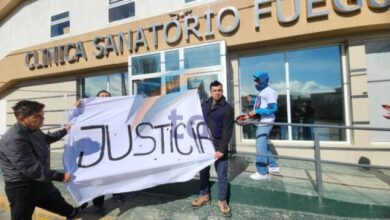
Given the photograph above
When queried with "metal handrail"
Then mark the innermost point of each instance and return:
(313, 160)
(320, 126)
(317, 149)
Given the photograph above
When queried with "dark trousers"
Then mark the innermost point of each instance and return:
(221, 167)
(25, 196)
(98, 201)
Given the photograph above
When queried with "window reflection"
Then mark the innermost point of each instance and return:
(202, 56)
(92, 85)
(168, 75)
(201, 83)
(172, 84)
(316, 91)
(146, 64)
(116, 84)
(147, 87)
(172, 60)
(315, 87)
(274, 65)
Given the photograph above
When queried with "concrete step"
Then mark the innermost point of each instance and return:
(348, 191)
(291, 194)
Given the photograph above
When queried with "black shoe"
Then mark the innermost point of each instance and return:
(99, 210)
(77, 211)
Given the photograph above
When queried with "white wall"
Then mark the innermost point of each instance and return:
(58, 96)
(29, 24)
(378, 76)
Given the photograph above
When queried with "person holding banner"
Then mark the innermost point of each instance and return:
(25, 164)
(98, 202)
(219, 117)
(265, 105)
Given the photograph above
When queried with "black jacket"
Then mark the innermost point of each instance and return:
(220, 121)
(25, 155)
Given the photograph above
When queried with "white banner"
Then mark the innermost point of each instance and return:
(129, 143)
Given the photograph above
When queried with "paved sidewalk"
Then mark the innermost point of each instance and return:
(291, 194)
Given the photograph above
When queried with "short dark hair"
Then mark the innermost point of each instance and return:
(215, 83)
(26, 108)
(103, 91)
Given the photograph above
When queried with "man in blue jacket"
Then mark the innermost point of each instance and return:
(265, 106)
(219, 117)
(25, 164)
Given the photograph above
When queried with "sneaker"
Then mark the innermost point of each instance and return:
(200, 201)
(99, 210)
(273, 169)
(258, 176)
(225, 209)
(77, 211)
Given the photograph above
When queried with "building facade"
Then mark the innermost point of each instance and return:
(329, 61)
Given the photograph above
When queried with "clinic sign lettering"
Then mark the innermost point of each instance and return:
(132, 40)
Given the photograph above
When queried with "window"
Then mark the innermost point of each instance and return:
(274, 64)
(120, 9)
(146, 64)
(314, 87)
(172, 83)
(147, 87)
(202, 83)
(115, 83)
(172, 60)
(177, 70)
(202, 56)
(60, 24)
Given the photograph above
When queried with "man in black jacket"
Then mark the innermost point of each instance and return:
(25, 164)
(219, 117)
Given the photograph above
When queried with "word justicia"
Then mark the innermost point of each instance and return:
(147, 139)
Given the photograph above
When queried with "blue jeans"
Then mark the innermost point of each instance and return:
(295, 132)
(221, 167)
(283, 132)
(262, 133)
